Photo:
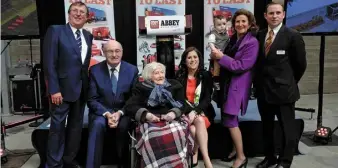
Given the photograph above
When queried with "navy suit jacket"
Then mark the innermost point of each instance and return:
(100, 94)
(62, 62)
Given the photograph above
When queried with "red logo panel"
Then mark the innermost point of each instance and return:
(154, 24)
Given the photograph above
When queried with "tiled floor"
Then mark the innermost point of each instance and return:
(314, 157)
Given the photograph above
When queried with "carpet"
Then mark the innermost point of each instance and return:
(17, 158)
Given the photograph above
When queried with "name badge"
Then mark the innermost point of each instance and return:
(280, 52)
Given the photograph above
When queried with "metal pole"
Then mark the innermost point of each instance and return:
(39, 89)
(321, 81)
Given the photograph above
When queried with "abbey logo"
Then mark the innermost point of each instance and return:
(155, 24)
(171, 23)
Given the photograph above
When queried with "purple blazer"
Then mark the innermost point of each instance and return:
(240, 84)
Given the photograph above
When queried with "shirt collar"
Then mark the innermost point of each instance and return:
(117, 68)
(74, 29)
(276, 29)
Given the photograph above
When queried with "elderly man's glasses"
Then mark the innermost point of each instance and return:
(111, 52)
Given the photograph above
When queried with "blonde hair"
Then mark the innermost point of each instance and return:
(150, 68)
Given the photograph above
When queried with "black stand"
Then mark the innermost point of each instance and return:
(321, 81)
(165, 54)
(322, 134)
(35, 75)
(165, 44)
(309, 110)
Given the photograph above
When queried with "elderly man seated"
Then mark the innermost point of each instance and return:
(110, 86)
(163, 138)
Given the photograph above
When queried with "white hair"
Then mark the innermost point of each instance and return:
(150, 68)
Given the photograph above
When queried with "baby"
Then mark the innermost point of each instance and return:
(217, 39)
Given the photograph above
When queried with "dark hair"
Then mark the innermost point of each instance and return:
(183, 69)
(273, 3)
(251, 19)
(79, 3)
(220, 17)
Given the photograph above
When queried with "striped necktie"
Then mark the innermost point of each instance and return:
(78, 39)
(113, 80)
(268, 42)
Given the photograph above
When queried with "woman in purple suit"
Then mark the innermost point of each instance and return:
(236, 63)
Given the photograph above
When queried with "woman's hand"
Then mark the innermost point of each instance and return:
(152, 118)
(216, 54)
(169, 116)
(193, 115)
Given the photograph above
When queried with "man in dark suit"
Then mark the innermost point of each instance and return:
(110, 86)
(280, 66)
(66, 52)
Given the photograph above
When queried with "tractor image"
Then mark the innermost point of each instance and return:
(152, 13)
(226, 13)
(95, 50)
(156, 11)
(101, 33)
(96, 15)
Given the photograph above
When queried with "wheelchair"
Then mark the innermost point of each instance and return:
(135, 157)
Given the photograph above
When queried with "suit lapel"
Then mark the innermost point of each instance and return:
(184, 82)
(262, 40)
(86, 35)
(244, 41)
(275, 42)
(72, 41)
(122, 79)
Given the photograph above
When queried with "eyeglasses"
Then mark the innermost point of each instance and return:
(76, 11)
(111, 52)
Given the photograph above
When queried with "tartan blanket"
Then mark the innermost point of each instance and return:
(164, 145)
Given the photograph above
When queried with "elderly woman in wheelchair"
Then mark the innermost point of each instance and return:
(162, 135)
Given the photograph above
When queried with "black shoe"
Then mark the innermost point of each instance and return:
(244, 164)
(73, 166)
(282, 166)
(266, 163)
(194, 164)
(227, 159)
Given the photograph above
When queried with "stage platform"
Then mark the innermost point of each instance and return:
(219, 138)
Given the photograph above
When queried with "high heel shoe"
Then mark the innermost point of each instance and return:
(194, 164)
(244, 164)
(229, 159)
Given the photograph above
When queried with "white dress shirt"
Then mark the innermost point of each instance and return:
(84, 48)
(116, 72)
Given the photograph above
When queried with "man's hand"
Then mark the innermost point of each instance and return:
(57, 98)
(109, 117)
(216, 54)
(169, 116)
(152, 118)
(115, 118)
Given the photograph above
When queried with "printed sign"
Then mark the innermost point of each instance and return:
(146, 45)
(165, 25)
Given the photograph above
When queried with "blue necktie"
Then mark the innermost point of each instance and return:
(78, 39)
(113, 80)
